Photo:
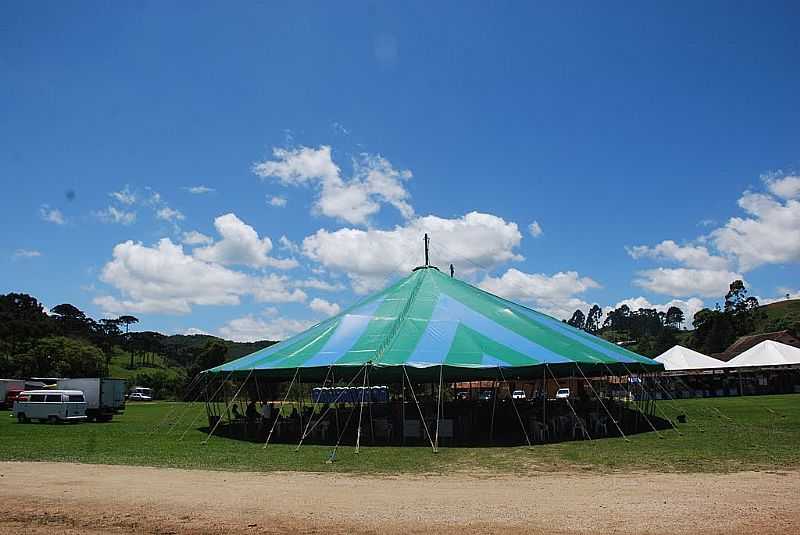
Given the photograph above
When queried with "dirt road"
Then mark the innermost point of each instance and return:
(71, 498)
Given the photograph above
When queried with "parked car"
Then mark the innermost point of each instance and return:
(486, 395)
(105, 397)
(562, 393)
(462, 395)
(50, 406)
(140, 393)
(518, 394)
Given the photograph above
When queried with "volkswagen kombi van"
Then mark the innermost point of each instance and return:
(50, 406)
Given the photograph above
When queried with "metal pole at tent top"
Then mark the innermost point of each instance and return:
(427, 241)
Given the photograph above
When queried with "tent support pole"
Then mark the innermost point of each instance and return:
(494, 404)
(513, 404)
(233, 399)
(569, 404)
(280, 409)
(332, 456)
(335, 403)
(438, 412)
(544, 396)
(601, 402)
(313, 408)
(361, 409)
(421, 417)
(402, 410)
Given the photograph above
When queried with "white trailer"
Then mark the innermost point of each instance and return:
(104, 396)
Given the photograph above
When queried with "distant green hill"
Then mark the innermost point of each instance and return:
(779, 316)
(235, 349)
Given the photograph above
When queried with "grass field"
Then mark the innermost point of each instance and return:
(721, 435)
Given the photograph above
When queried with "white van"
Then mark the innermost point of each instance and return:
(50, 406)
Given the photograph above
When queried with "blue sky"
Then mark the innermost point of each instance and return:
(656, 146)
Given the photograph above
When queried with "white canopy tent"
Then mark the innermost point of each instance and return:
(767, 353)
(683, 358)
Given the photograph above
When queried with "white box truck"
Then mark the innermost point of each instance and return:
(104, 396)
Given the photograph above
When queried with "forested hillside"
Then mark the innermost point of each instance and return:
(68, 343)
(651, 332)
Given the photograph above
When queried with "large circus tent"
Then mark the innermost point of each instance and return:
(431, 356)
(429, 322)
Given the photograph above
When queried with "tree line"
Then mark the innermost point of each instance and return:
(651, 332)
(68, 343)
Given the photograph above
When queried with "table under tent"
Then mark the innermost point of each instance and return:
(433, 360)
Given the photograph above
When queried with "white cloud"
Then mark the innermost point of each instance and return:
(163, 279)
(250, 328)
(194, 330)
(115, 215)
(273, 288)
(689, 306)
(679, 282)
(288, 245)
(196, 238)
(125, 196)
(339, 128)
(324, 307)
(553, 294)
(783, 186)
(318, 284)
(166, 213)
(277, 201)
(240, 244)
(374, 181)
(770, 235)
(691, 256)
(534, 229)
(26, 253)
(299, 166)
(782, 296)
(52, 215)
(368, 257)
(199, 190)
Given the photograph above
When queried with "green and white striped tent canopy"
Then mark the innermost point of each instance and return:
(427, 323)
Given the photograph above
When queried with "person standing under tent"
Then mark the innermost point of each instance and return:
(266, 414)
(251, 413)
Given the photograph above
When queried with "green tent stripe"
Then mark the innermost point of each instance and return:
(500, 311)
(470, 346)
(319, 334)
